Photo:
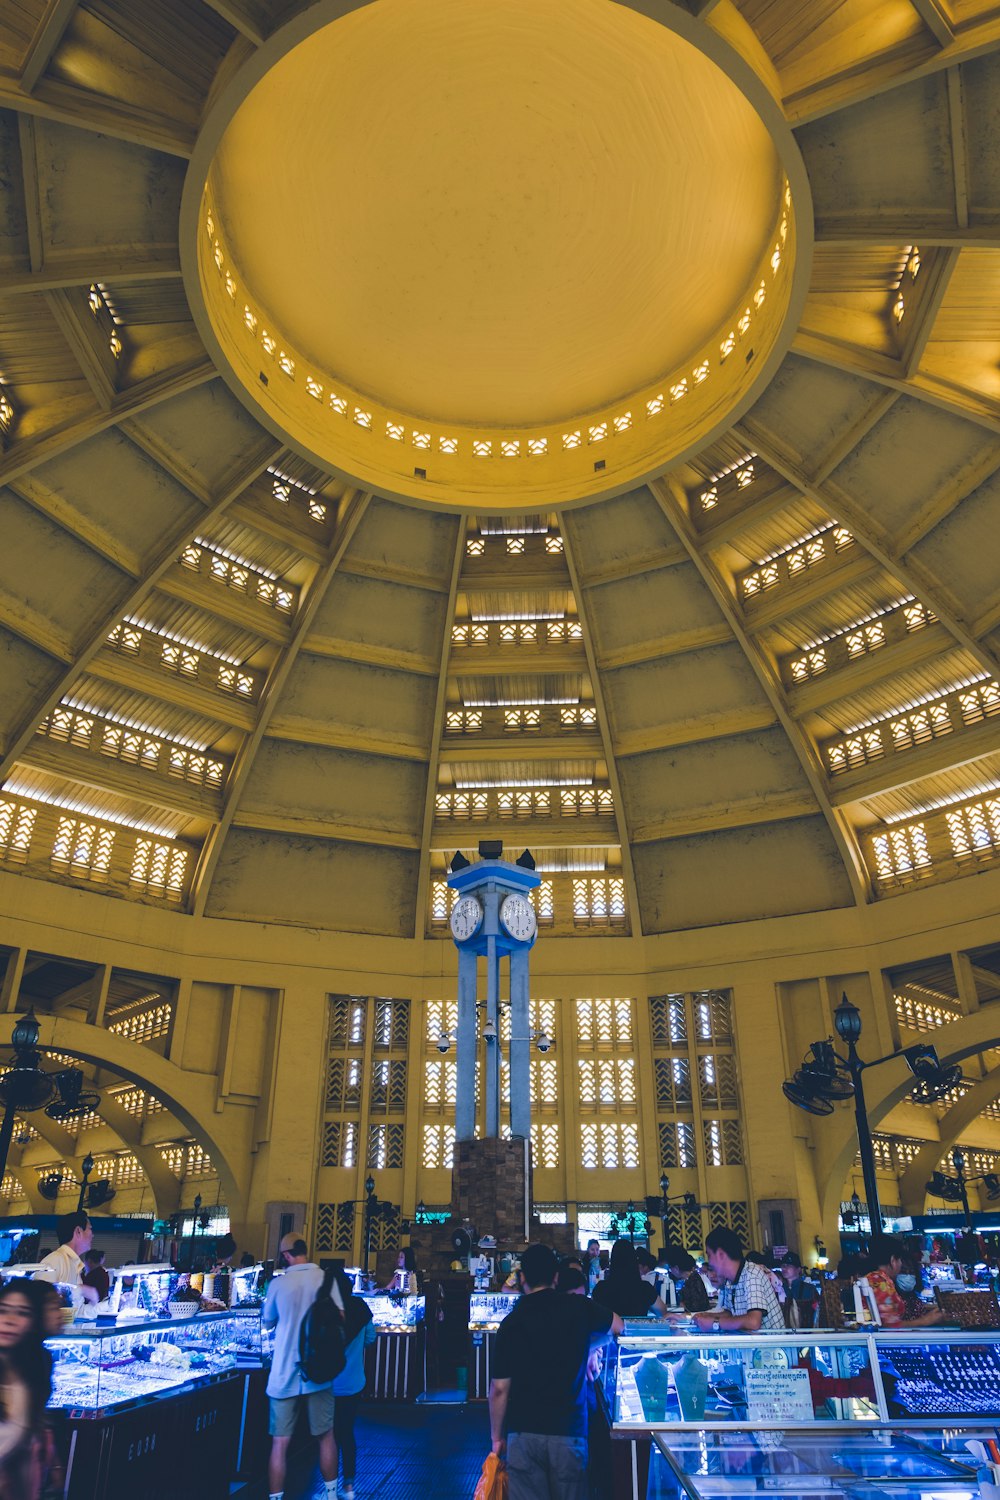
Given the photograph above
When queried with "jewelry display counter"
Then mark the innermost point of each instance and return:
(665, 1386)
(155, 1408)
(396, 1364)
(487, 1311)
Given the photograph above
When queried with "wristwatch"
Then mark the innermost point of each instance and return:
(716, 1326)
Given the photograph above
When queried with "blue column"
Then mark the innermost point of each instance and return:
(493, 1048)
(465, 1092)
(520, 1046)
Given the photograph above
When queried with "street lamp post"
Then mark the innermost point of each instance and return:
(25, 1086)
(952, 1188)
(86, 1167)
(847, 1020)
(826, 1078)
(369, 1211)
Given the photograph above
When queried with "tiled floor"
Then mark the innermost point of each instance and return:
(421, 1452)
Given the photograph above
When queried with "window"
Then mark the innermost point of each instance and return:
(545, 1144)
(82, 849)
(145, 1025)
(16, 824)
(440, 1083)
(673, 1083)
(159, 869)
(343, 1084)
(611, 1147)
(607, 1083)
(347, 1021)
(604, 1023)
(438, 1147)
(385, 1147)
(668, 1014)
(341, 1143)
(676, 1144)
(723, 1143)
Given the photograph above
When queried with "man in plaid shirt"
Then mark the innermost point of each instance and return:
(747, 1301)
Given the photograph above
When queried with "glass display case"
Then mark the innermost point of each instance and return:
(141, 1291)
(396, 1363)
(710, 1465)
(655, 1378)
(395, 1314)
(247, 1286)
(487, 1310)
(99, 1369)
(659, 1379)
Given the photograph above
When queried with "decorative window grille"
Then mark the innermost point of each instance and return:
(16, 824)
(82, 849)
(604, 1023)
(673, 1083)
(607, 1083)
(599, 900)
(146, 1025)
(677, 1148)
(440, 1083)
(159, 869)
(388, 1091)
(668, 1015)
(438, 1147)
(385, 1147)
(717, 1080)
(611, 1147)
(347, 1022)
(900, 851)
(921, 1015)
(723, 1143)
(442, 1015)
(545, 1144)
(340, 1143)
(343, 1084)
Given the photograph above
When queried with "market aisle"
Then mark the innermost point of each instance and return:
(404, 1453)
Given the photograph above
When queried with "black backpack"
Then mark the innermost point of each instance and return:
(322, 1348)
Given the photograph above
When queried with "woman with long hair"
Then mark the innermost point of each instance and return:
(25, 1387)
(623, 1289)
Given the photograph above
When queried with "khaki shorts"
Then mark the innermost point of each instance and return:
(285, 1410)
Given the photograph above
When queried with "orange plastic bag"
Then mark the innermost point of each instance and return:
(492, 1482)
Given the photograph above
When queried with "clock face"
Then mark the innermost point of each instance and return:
(465, 918)
(518, 917)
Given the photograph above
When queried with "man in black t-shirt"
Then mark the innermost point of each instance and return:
(538, 1394)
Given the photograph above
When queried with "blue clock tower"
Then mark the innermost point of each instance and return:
(493, 918)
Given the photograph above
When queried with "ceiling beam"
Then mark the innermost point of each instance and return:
(236, 781)
(844, 445)
(896, 227)
(843, 836)
(170, 544)
(101, 773)
(959, 146)
(21, 457)
(889, 70)
(921, 386)
(947, 500)
(678, 644)
(69, 105)
(937, 20)
(64, 514)
(245, 17)
(604, 725)
(438, 750)
(90, 350)
(32, 194)
(939, 267)
(48, 34)
(460, 749)
(84, 267)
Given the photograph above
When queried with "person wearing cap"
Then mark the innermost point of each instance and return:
(288, 1299)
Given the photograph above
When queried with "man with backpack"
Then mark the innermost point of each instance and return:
(305, 1309)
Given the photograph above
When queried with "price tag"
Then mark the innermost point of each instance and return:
(775, 1395)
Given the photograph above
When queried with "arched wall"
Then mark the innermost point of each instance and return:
(247, 1079)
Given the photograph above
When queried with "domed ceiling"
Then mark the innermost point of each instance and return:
(758, 680)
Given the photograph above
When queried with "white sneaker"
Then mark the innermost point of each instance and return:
(346, 1492)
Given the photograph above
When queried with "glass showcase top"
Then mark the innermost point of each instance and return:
(98, 1369)
(802, 1379)
(855, 1464)
(395, 1314)
(488, 1309)
(747, 1379)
